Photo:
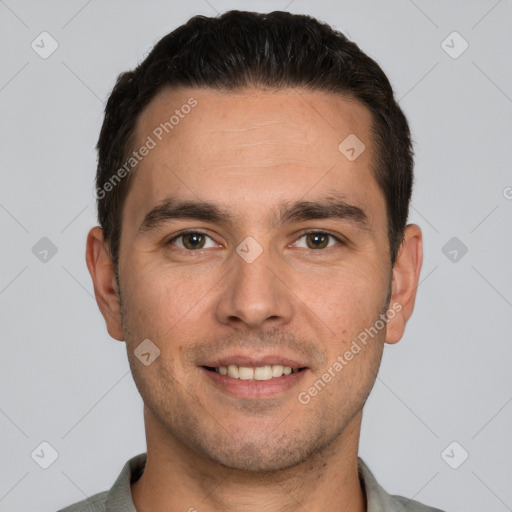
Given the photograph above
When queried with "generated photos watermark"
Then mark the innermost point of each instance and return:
(152, 141)
(304, 397)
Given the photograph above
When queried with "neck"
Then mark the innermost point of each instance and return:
(176, 478)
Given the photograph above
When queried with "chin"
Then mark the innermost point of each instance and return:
(265, 454)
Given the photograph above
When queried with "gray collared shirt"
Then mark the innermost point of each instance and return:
(119, 498)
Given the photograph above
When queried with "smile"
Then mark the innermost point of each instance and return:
(266, 372)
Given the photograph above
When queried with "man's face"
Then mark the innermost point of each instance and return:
(282, 297)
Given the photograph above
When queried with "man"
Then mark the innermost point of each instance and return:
(253, 185)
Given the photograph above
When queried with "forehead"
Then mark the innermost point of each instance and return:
(251, 147)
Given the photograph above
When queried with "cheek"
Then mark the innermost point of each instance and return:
(155, 284)
(160, 300)
(347, 301)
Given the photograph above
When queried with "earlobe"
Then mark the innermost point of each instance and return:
(406, 274)
(102, 273)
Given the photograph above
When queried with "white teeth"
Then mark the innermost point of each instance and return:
(259, 373)
(263, 373)
(277, 370)
(245, 373)
(232, 371)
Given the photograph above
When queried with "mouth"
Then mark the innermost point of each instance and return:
(254, 378)
(266, 372)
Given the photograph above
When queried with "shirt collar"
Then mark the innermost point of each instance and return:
(120, 495)
(377, 499)
(120, 498)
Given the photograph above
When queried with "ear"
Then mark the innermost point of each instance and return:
(101, 269)
(406, 273)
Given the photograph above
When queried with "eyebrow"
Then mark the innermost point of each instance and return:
(328, 207)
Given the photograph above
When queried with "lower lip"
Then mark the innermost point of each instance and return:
(255, 389)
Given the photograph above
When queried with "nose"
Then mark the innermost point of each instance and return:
(255, 294)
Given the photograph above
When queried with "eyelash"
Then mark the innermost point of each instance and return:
(194, 231)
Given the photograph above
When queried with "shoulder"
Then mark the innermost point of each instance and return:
(96, 503)
(119, 496)
(378, 499)
(407, 505)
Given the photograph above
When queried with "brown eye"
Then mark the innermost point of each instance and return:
(317, 240)
(192, 240)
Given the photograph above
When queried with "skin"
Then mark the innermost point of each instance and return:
(249, 152)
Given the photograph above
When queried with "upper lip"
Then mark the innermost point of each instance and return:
(255, 361)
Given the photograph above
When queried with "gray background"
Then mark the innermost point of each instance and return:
(64, 381)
